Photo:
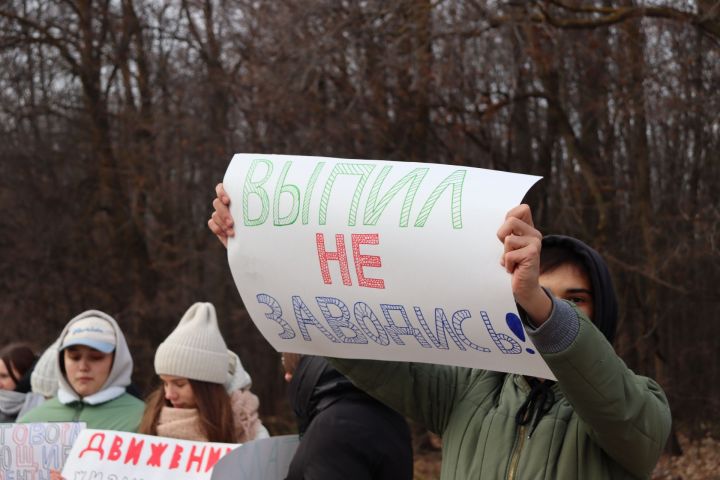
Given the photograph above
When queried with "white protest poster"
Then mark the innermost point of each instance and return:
(30, 450)
(378, 260)
(110, 455)
(264, 459)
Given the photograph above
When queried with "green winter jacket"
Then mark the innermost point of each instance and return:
(606, 422)
(122, 413)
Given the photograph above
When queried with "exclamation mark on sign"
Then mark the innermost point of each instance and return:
(515, 324)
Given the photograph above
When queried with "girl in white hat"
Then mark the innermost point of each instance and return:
(204, 395)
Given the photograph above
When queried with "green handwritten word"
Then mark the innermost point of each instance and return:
(260, 171)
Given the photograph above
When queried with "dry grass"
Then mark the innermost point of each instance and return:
(700, 461)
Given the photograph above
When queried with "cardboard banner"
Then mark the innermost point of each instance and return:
(264, 459)
(378, 260)
(30, 450)
(110, 455)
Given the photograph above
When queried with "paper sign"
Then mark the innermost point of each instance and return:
(379, 260)
(264, 459)
(110, 455)
(30, 450)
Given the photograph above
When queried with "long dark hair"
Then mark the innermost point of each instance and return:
(213, 406)
(18, 357)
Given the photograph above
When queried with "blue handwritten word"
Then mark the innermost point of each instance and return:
(360, 325)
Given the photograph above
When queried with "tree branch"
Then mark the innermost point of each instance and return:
(641, 272)
(708, 23)
(47, 38)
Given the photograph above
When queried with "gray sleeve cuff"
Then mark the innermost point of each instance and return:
(559, 330)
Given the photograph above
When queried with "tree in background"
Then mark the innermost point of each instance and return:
(117, 118)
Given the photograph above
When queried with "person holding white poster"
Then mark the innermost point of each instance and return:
(205, 393)
(599, 420)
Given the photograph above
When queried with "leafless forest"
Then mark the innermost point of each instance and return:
(117, 119)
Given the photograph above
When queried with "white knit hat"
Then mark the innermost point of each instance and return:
(44, 378)
(237, 377)
(195, 349)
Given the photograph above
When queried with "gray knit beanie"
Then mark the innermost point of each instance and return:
(195, 349)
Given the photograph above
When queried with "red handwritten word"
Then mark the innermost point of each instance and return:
(115, 452)
(177, 454)
(340, 256)
(154, 453)
(133, 451)
(155, 459)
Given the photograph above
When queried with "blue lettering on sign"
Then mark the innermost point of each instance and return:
(363, 314)
(275, 315)
(505, 343)
(457, 320)
(395, 331)
(441, 326)
(304, 317)
(339, 322)
(362, 325)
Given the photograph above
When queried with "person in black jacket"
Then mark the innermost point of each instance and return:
(344, 433)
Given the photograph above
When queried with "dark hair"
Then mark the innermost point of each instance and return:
(18, 357)
(553, 256)
(213, 406)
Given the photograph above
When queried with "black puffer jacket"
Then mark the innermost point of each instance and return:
(345, 433)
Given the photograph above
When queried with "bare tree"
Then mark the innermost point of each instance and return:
(118, 118)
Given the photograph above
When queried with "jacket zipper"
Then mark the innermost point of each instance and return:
(78, 412)
(515, 457)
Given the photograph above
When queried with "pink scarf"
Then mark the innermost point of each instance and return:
(245, 406)
(182, 423)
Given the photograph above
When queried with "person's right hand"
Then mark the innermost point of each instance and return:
(521, 258)
(221, 222)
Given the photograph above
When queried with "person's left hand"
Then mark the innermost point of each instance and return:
(521, 258)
